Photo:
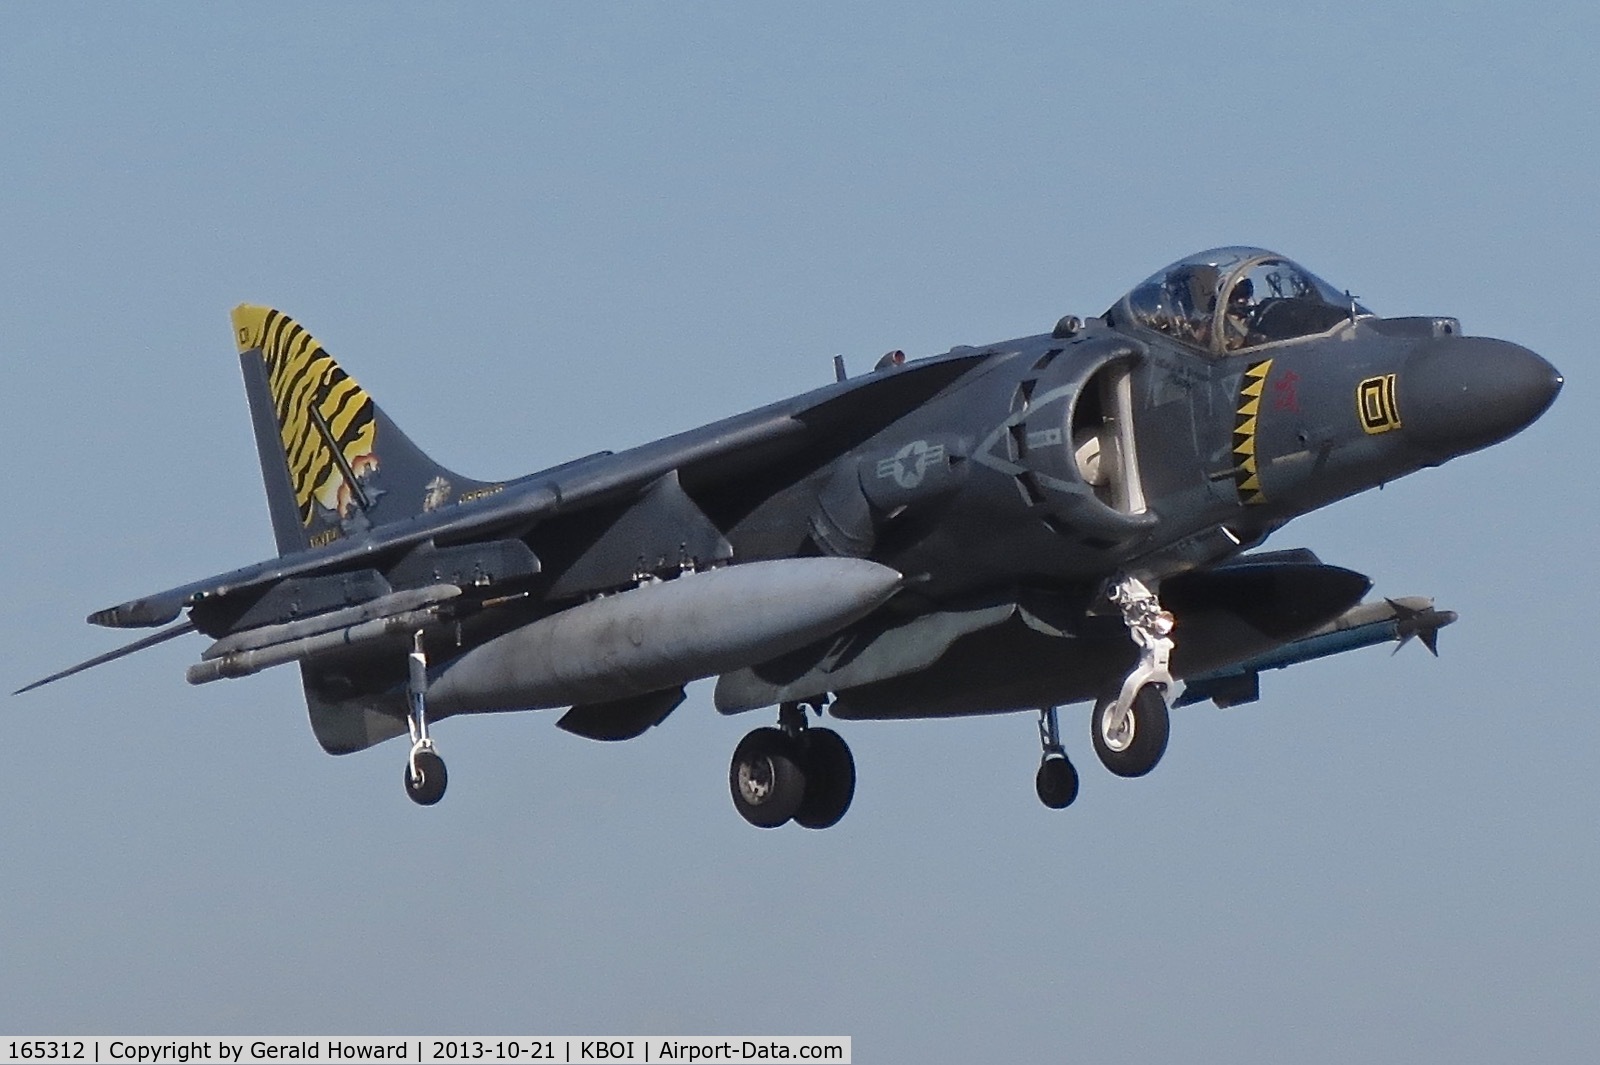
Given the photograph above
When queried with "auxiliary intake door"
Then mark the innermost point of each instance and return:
(1101, 437)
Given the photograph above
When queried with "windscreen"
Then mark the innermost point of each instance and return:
(1230, 299)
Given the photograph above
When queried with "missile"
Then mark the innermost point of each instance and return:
(1392, 620)
(245, 653)
(664, 634)
(382, 607)
(254, 660)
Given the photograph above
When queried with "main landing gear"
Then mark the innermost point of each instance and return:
(425, 774)
(792, 773)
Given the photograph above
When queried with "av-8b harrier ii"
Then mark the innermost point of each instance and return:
(1067, 517)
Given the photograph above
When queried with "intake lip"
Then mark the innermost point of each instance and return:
(1459, 394)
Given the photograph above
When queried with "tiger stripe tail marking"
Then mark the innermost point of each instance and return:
(303, 378)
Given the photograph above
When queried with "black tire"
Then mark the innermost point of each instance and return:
(830, 773)
(430, 789)
(1150, 724)
(1056, 782)
(765, 778)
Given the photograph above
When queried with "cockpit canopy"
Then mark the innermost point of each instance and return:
(1265, 299)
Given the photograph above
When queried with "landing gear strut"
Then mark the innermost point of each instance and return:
(1056, 781)
(425, 774)
(1130, 725)
(792, 772)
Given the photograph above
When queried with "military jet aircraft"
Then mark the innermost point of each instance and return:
(1012, 527)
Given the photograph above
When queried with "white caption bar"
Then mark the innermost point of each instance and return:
(421, 1050)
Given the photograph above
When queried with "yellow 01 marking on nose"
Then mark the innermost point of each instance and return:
(1376, 404)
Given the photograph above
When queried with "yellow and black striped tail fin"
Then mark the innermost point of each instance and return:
(333, 463)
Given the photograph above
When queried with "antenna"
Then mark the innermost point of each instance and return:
(338, 456)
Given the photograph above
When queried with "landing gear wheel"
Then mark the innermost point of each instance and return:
(1133, 749)
(1057, 782)
(765, 778)
(427, 787)
(830, 774)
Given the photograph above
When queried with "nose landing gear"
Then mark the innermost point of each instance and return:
(1130, 744)
(1130, 725)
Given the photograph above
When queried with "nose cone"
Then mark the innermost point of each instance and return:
(1459, 394)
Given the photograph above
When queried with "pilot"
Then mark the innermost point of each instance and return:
(1236, 319)
(1197, 301)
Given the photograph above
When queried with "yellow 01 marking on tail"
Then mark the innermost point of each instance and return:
(301, 376)
(1246, 474)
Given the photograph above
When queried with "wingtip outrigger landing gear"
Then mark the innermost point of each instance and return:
(425, 773)
(1130, 725)
(1057, 780)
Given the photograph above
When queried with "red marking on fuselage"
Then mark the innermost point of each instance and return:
(1285, 392)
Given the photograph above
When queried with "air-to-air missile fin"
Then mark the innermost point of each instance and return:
(1416, 617)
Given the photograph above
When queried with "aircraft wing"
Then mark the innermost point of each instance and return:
(826, 421)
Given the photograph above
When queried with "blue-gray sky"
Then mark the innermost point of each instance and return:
(536, 231)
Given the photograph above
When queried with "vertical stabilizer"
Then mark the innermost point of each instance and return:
(332, 461)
